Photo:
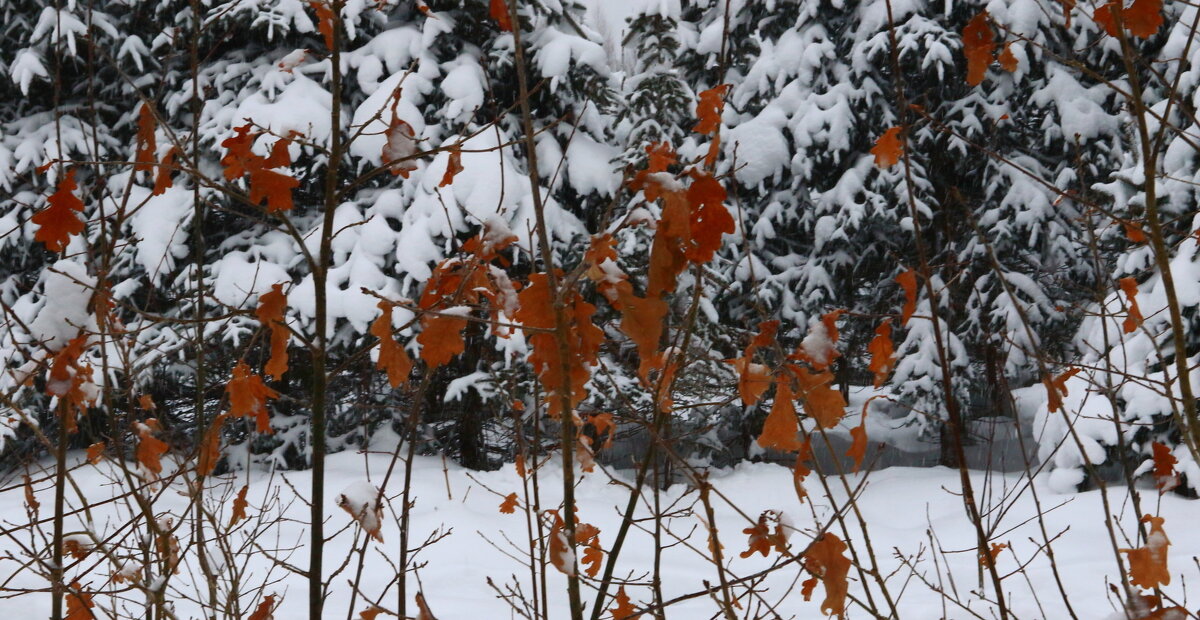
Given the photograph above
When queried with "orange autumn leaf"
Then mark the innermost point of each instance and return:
(781, 427)
(519, 465)
(1134, 320)
(858, 442)
(822, 402)
(30, 499)
(1148, 564)
(584, 455)
(393, 359)
(248, 396)
(979, 43)
(1165, 476)
(588, 535)
(710, 220)
(668, 257)
(603, 423)
(882, 352)
(60, 219)
(162, 178)
(1134, 232)
(908, 282)
(825, 560)
(753, 379)
(714, 151)
(264, 609)
(210, 448)
(79, 603)
(888, 148)
(593, 558)
(274, 187)
(1007, 60)
(239, 156)
(1142, 19)
(453, 165)
(766, 534)
(642, 321)
(271, 306)
(623, 608)
(536, 311)
(509, 505)
(499, 12)
(67, 380)
(265, 184)
(371, 613)
(95, 452)
(150, 449)
(325, 19)
(800, 469)
(988, 559)
(562, 556)
(708, 109)
(144, 156)
(1056, 388)
(401, 146)
(239, 506)
(441, 339)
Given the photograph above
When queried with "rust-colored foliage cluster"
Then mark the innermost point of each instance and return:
(266, 183)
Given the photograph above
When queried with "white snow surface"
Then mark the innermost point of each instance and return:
(899, 503)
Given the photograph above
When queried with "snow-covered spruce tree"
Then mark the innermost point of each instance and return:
(1131, 394)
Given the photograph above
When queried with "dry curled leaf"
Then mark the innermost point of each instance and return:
(1007, 60)
(825, 560)
(95, 452)
(979, 44)
(708, 109)
(1165, 475)
(766, 534)
(908, 282)
(509, 505)
(210, 447)
(393, 359)
(858, 441)
(882, 352)
(239, 506)
(264, 609)
(144, 156)
(453, 165)
(1148, 564)
(271, 306)
(162, 178)
(1056, 388)
(781, 427)
(325, 19)
(30, 499)
(248, 397)
(150, 449)
(79, 603)
(623, 608)
(988, 559)
(1134, 319)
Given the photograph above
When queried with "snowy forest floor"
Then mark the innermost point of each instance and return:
(902, 505)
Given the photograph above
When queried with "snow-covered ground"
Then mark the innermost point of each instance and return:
(902, 506)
